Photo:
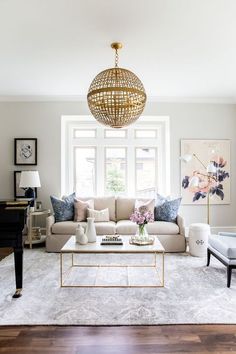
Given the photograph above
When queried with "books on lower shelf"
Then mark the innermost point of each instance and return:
(112, 240)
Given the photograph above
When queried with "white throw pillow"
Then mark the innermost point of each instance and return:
(150, 204)
(99, 215)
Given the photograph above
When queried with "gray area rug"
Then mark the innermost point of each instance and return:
(193, 293)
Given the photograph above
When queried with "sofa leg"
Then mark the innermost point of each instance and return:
(229, 273)
(208, 257)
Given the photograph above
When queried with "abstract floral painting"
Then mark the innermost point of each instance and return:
(204, 153)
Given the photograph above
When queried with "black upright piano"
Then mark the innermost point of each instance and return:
(13, 216)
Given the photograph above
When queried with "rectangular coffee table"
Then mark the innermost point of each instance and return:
(72, 248)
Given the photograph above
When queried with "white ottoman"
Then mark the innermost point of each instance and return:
(198, 239)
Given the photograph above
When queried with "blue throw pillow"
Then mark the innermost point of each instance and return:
(63, 208)
(167, 211)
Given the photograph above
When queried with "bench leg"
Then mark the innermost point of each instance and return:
(229, 273)
(208, 257)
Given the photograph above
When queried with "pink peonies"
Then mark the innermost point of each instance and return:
(142, 216)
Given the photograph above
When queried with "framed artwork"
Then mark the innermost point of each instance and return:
(206, 171)
(19, 192)
(25, 151)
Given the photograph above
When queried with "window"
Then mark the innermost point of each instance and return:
(85, 133)
(114, 133)
(85, 171)
(115, 177)
(97, 160)
(146, 163)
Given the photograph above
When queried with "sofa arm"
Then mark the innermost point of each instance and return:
(181, 224)
(50, 220)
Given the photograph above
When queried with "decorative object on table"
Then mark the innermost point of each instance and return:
(142, 217)
(134, 240)
(38, 204)
(63, 208)
(80, 235)
(81, 209)
(167, 209)
(91, 230)
(224, 249)
(205, 172)
(19, 192)
(111, 240)
(116, 96)
(29, 180)
(35, 231)
(198, 239)
(25, 151)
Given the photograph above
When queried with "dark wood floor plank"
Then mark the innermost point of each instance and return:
(195, 339)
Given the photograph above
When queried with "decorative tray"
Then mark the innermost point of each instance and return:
(138, 241)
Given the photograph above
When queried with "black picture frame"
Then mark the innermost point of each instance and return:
(19, 192)
(25, 151)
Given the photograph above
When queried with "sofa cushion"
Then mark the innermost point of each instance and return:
(127, 227)
(142, 206)
(101, 203)
(125, 207)
(69, 227)
(226, 245)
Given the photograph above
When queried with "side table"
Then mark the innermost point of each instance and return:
(31, 219)
(198, 239)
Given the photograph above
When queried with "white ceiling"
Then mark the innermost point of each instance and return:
(178, 48)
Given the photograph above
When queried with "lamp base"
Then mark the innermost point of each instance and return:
(30, 193)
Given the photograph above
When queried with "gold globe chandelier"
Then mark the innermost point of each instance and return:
(116, 96)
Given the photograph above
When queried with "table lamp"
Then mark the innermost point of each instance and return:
(29, 180)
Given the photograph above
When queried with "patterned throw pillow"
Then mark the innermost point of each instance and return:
(99, 215)
(63, 208)
(167, 211)
(81, 208)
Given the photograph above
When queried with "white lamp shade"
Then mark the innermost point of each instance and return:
(211, 168)
(194, 182)
(186, 158)
(29, 179)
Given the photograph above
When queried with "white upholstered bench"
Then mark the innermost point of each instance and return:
(223, 247)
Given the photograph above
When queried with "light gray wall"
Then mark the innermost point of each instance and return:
(43, 121)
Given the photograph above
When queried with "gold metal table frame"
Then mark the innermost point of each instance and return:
(99, 266)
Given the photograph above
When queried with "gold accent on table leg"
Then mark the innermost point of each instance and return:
(61, 269)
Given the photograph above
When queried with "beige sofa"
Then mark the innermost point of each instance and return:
(171, 235)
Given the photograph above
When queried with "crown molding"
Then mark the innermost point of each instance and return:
(83, 98)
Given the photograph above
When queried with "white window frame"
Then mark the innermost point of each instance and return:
(161, 143)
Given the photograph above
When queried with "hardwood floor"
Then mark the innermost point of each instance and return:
(197, 339)
(4, 252)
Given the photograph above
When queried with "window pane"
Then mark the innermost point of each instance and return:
(115, 161)
(85, 133)
(85, 171)
(145, 172)
(110, 133)
(145, 133)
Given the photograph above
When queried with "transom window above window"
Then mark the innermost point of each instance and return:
(145, 133)
(114, 133)
(85, 133)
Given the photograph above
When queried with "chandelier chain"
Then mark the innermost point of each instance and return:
(116, 58)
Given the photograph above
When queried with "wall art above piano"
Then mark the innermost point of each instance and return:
(25, 151)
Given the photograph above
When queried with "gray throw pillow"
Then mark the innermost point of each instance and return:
(63, 208)
(167, 211)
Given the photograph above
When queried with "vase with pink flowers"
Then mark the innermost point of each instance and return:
(142, 217)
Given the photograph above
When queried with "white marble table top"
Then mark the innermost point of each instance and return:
(72, 247)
